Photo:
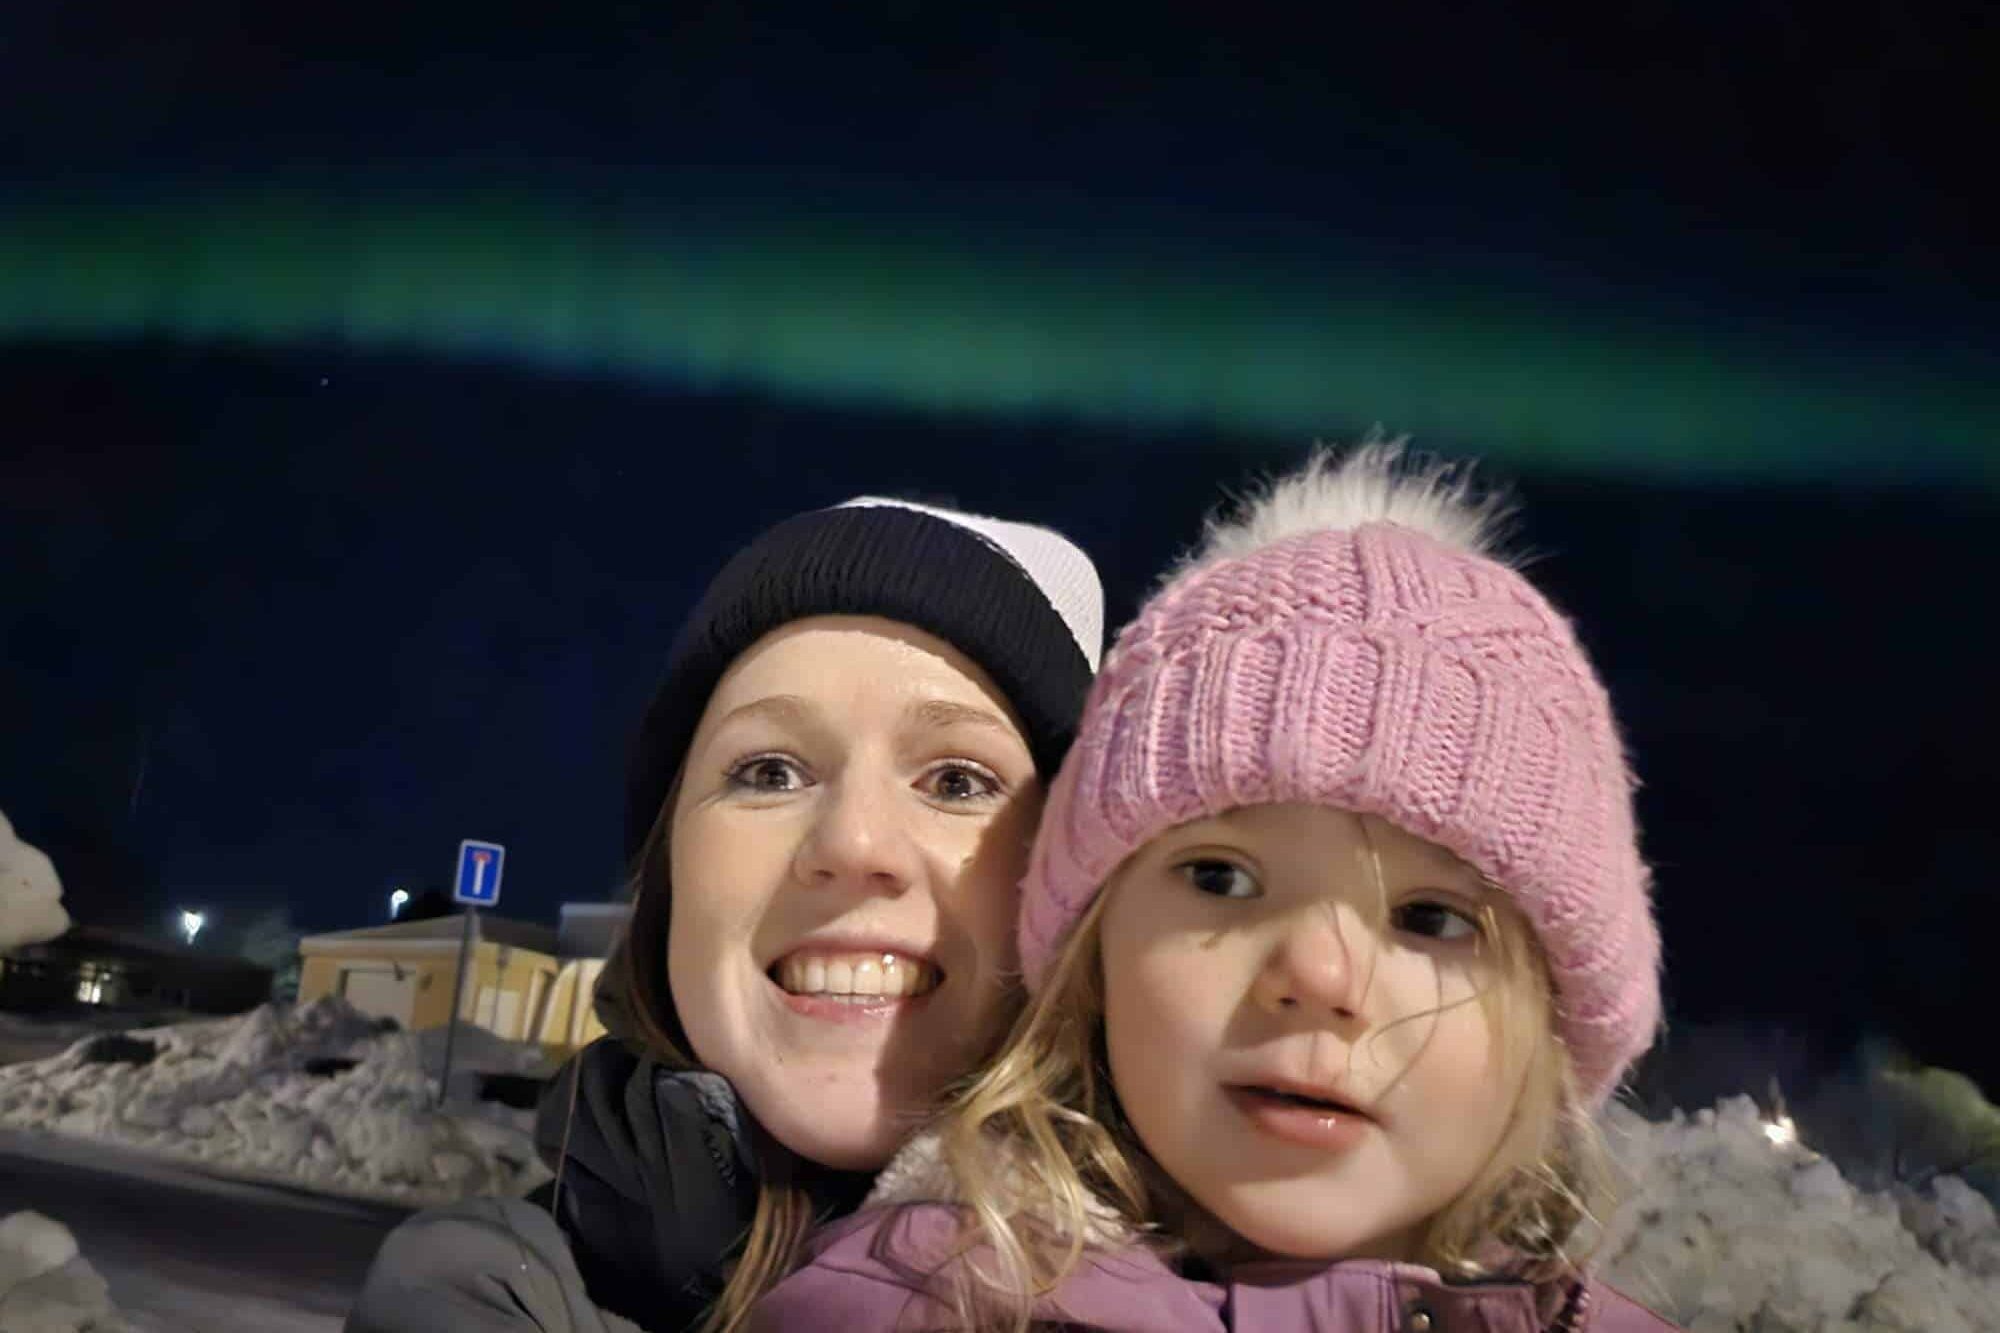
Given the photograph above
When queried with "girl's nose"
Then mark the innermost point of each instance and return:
(1314, 968)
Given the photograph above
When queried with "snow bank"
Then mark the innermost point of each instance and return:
(315, 1096)
(1728, 1229)
(46, 1286)
(34, 1037)
(31, 907)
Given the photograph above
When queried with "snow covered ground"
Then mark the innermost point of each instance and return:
(25, 1038)
(187, 1252)
(314, 1096)
(1733, 1226)
(46, 1286)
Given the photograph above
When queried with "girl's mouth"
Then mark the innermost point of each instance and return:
(1326, 1104)
(1305, 1119)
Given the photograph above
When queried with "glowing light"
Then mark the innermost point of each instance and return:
(398, 899)
(1782, 1132)
(191, 923)
(837, 306)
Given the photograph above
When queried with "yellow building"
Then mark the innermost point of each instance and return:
(524, 982)
(405, 971)
(584, 942)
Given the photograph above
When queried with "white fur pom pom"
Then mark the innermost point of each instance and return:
(1373, 483)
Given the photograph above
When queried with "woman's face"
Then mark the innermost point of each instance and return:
(851, 824)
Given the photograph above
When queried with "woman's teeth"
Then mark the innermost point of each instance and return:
(859, 976)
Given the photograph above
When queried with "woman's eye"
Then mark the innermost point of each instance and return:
(1435, 921)
(767, 773)
(1223, 879)
(960, 782)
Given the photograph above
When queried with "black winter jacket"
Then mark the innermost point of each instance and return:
(658, 1188)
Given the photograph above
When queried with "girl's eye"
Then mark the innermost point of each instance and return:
(960, 782)
(768, 773)
(1435, 921)
(1223, 879)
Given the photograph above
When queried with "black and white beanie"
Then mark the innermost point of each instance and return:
(1023, 602)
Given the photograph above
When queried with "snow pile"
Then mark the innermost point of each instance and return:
(316, 1096)
(1732, 1226)
(31, 907)
(46, 1286)
(476, 1052)
(35, 1037)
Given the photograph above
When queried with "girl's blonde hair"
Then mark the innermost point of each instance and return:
(1038, 1147)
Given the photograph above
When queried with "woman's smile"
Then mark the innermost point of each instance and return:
(845, 852)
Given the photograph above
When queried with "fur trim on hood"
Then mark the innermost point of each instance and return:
(919, 1174)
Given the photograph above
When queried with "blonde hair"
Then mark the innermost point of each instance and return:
(1039, 1147)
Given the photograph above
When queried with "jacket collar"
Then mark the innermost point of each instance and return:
(1352, 1294)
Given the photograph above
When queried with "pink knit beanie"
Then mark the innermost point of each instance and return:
(1352, 643)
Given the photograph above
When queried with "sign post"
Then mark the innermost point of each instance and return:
(475, 883)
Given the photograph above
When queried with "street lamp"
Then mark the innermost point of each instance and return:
(192, 922)
(398, 899)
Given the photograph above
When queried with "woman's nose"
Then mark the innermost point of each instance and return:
(858, 838)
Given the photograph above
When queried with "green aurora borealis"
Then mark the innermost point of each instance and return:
(834, 307)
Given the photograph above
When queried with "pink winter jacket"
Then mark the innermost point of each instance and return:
(879, 1270)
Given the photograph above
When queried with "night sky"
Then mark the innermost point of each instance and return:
(380, 391)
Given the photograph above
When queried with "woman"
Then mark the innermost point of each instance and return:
(830, 805)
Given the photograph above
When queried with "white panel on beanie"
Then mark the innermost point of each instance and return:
(1053, 563)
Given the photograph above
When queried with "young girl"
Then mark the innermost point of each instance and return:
(1337, 933)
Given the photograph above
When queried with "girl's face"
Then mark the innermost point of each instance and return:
(852, 820)
(1319, 1079)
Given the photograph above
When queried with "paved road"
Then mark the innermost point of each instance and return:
(186, 1253)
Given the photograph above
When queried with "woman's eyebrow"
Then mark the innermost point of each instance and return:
(780, 708)
(949, 712)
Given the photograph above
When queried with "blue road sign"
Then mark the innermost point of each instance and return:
(477, 883)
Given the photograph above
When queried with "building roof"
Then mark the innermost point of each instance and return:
(439, 930)
(588, 930)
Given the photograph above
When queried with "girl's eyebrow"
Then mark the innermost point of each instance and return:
(1445, 864)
